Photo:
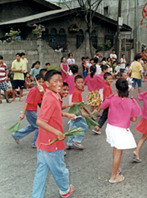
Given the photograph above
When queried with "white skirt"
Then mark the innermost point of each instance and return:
(120, 138)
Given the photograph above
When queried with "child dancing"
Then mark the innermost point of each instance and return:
(141, 126)
(50, 157)
(30, 110)
(121, 110)
(93, 82)
(75, 141)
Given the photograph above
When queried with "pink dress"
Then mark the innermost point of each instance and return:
(65, 67)
(142, 125)
(117, 130)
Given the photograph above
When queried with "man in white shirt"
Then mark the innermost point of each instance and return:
(122, 63)
(113, 56)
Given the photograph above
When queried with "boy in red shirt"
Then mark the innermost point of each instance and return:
(50, 157)
(75, 141)
(107, 91)
(30, 110)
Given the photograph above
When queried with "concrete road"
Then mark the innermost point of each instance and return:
(90, 169)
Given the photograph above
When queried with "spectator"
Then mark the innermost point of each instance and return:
(3, 76)
(113, 56)
(18, 68)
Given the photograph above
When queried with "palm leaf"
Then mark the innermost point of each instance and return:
(15, 127)
(90, 122)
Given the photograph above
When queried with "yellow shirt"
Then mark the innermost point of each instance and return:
(18, 66)
(136, 68)
(25, 61)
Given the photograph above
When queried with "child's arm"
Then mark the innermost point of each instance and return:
(24, 111)
(50, 129)
(70, 116)
(67, 106)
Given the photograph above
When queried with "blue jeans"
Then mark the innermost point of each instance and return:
(54, 162)
(31, 117)
(79, 122)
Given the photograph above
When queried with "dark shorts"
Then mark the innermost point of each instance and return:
(18, 83)
(136, 80)
(3, 86)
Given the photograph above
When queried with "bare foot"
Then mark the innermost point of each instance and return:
(117, 179)
(119, 171)
(20, 99)
(136, 157)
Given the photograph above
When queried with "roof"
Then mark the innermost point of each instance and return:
(49, 15)
(42, 2)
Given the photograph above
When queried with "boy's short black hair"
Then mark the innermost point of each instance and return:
(47, 64)
(104, 67)
(122, 72)
(114, 62)
(96, 51)
(96, 60)
(137, 57)
(74, 69)
(42, 71)
(107, 74)
(83, 58)
(38, 77)
(1, 57)
(18, 54)
(78, 77)
(70, 54)
(51, 73)
(122, 86)
(23, 54)
(127, 65)
(65, 84)
(91, 59)
(87, 57)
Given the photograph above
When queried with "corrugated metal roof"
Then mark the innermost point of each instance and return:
(33, 17)
(44, 16)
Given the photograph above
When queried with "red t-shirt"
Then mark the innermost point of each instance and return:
(107, 91)
(33, 99)
(50, 113)
(77, 96)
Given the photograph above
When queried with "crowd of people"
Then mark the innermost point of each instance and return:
(47, 89)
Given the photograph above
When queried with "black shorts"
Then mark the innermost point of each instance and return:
(18, 83)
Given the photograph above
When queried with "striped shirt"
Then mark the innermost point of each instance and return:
(3, 70)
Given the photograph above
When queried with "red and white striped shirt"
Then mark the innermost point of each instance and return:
(3, 70)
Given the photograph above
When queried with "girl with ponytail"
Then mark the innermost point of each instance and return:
(93, 82)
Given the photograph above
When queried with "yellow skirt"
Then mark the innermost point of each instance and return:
(94, 98)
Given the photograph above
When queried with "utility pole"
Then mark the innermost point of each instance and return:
(135, 26)
(118, 39)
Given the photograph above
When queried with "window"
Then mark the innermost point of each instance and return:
(94, 39)
(79, 38)
(62, 38)
(108, 42)
(53, 38)
(106, 11)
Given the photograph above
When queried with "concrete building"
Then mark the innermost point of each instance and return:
(64, 27)
(131, 12)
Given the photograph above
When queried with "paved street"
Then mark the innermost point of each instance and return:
(90, 169)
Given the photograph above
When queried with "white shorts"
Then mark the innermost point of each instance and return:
(120, 138)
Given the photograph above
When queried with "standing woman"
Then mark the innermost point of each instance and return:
(136, 73)
(70, 60)
(64, 68)
(122, 63)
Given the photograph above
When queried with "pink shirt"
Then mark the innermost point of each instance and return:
(143, 97)
(70, 81)
(94, 83)
(121, 110)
